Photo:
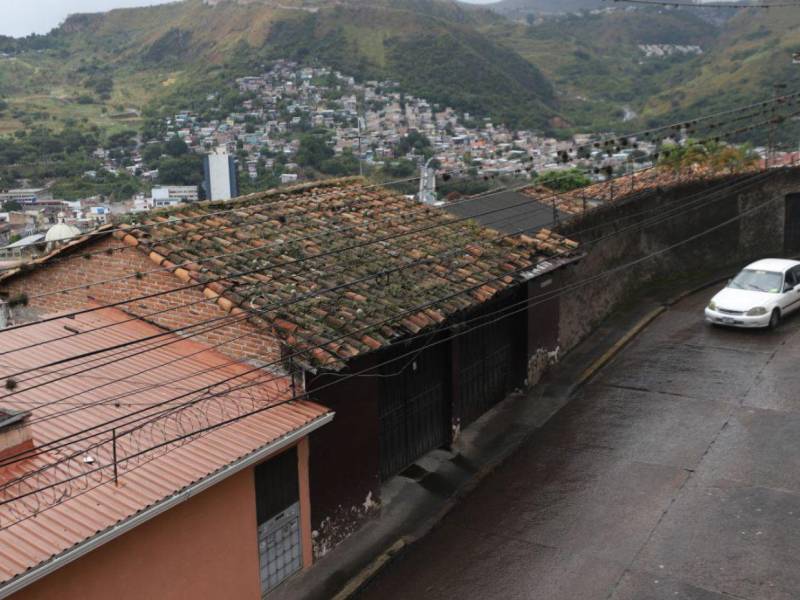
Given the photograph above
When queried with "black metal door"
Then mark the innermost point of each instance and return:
(414, 414)
(491, 361)
(791, 230)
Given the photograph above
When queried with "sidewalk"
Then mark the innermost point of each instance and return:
(412, 507)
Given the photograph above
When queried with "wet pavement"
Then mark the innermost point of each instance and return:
(674, 474)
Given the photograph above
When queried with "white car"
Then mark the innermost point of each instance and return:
(759, 296)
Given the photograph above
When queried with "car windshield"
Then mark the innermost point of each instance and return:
(759, 281)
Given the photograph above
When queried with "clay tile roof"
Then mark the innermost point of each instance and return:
(262, 236)
(268, 233)
(257, 240)
(620, 188)
(35, 530)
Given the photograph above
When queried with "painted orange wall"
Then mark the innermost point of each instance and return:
(206, 547)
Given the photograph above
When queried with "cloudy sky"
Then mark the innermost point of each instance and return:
(21, 17)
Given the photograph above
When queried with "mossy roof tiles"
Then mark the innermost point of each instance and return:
(342, 266)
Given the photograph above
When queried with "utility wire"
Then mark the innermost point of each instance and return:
(526, 303)
(683, 4)
(301, 298)
(416, 309)
(685, 203)
(278, 194)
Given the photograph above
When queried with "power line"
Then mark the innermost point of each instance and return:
(433, 303)
(734, 5)
(526, 303)
(684, 203)
(278, 193)
(498, 210)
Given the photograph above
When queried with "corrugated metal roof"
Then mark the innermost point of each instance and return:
(26, 241)
(39, 527)
(509, 211)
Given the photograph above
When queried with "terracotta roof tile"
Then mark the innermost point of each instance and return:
(258, 240)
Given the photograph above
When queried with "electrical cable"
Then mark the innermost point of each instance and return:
(435, 301)
(455, 335)
(280, 192)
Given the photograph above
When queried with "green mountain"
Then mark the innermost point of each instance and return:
(520, 8)
(561, 72)
(136, 57)
(599, 64)
(751, 53)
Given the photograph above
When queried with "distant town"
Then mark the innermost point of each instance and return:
(294, 124)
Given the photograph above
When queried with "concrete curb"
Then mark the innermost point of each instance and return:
(699, 288)
(618, 345)
(372, 569)
(356, 583)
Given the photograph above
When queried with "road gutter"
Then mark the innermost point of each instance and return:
(606, 357)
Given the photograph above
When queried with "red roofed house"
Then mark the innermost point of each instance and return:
(99, 495)
(407, 322)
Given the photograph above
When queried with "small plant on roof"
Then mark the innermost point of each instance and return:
(11, 384)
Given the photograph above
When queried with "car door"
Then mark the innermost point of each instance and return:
(790, 299)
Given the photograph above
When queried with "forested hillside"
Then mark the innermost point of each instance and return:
(556, 73)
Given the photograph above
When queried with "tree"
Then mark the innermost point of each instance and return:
(734, 159)
(345, 164)
(123, 139)
(314, 150)
(415, 142)
(151, 155)
(11, 205)
(183, 170)
(563, 181)
(710, 155)
(176, 147)
(400, 168)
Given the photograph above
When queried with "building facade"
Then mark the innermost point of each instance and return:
(149, 513)
(404, 321)
(221, 181)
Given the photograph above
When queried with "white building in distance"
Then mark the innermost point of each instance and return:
(220, 171)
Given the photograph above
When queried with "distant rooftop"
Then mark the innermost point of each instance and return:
(509, 212)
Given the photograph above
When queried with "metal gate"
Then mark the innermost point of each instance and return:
(414, 411)
(278, 514)
(791, 230)
(491, 361)
(280, 548)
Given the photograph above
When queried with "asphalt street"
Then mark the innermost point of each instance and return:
(674, 474)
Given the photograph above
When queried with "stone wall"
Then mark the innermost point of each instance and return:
(689, 230)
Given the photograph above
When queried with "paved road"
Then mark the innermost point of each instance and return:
(674, 475)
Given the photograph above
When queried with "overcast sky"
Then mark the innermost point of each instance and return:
(21, 17)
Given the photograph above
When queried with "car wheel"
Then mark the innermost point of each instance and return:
(775, 319)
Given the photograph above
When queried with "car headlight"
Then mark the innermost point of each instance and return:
(712, 305)
(757, 312)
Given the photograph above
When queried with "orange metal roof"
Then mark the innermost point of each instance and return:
(36, 529)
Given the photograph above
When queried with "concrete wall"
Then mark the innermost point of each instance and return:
(345, 480)
(698, 207)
